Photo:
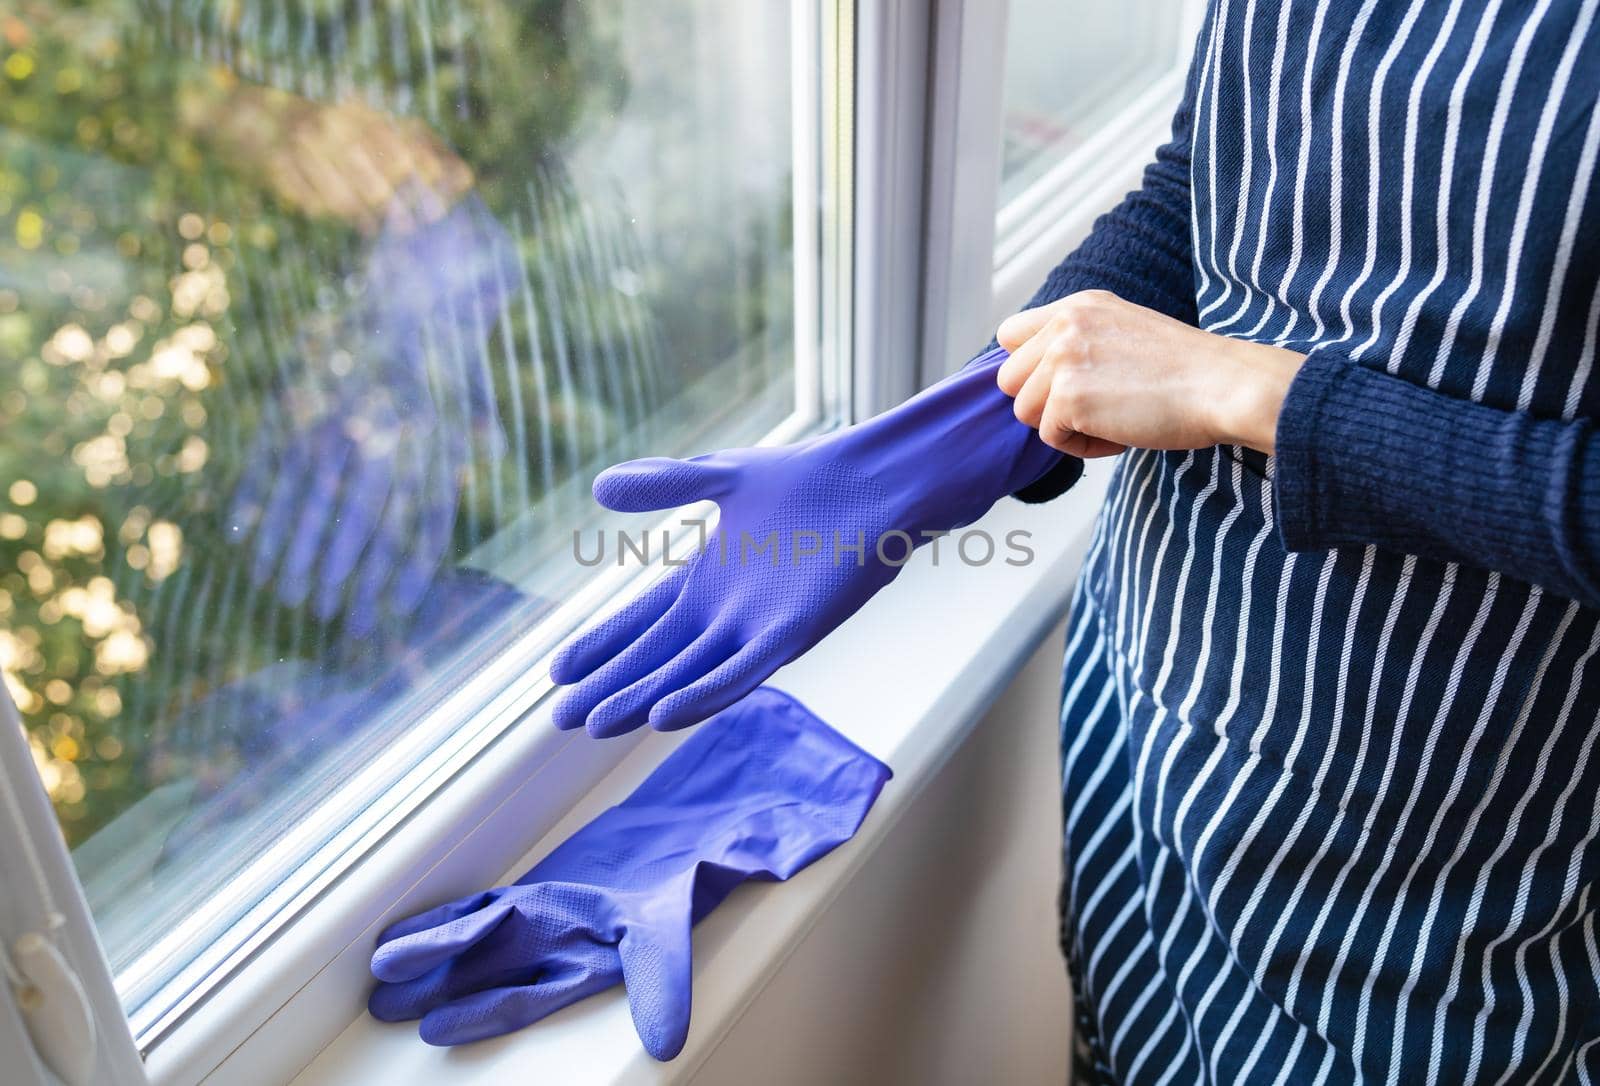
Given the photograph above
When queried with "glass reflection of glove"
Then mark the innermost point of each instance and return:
(758, 793)
(352, 485)
(807, 534)
(251, 740)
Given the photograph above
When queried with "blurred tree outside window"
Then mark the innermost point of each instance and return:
(307, 312)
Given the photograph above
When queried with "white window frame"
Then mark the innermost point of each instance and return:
(67, 998)
(909, 282)
(981, 268)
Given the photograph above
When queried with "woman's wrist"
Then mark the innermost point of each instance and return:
(1253, 381)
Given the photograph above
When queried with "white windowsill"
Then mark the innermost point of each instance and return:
(906, 679)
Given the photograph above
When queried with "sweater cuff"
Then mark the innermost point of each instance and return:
(1367, 458)
(1303, 488)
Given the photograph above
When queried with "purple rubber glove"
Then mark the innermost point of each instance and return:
(759, 793)
(349, 495)
(807, 534)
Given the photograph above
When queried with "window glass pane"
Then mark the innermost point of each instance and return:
(316, 319)
(1071, 64)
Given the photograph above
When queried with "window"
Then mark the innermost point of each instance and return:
(1069, 69)
(318, 319)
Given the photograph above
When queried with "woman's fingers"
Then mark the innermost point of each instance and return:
(1015, 370)
(1018, 328)
(1085, 447)
(1034, 395)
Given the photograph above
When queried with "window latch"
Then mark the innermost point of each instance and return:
(54, 1008)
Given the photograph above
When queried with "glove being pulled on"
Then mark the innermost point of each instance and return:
(758, 793)
(807, 534)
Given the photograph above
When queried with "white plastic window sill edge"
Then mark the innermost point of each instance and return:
(906, 679)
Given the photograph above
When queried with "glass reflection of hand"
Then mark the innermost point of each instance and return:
(349, 494)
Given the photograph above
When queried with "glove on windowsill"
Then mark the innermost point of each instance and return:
(758, 793)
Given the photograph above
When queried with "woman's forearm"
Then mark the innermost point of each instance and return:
(1366, 458)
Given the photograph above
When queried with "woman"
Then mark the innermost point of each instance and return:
(1331, 700)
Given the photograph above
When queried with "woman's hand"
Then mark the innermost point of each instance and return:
(1095, 374)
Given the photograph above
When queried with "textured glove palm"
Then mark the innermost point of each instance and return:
(807, 534)
(758, 793)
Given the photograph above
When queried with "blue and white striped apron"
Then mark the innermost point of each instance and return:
(1333, 816)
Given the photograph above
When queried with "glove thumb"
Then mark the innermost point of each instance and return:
(657, 973)
(658, 482)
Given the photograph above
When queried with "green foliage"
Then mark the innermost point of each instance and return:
(183, 200)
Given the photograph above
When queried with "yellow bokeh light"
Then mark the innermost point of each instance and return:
(192, 457)
(145, 309)
(69, 344)
(71, 538)
(122, 651)
(30, 229)
(102, 458)
(108, 703)
(23, 492)
(122, 337)
(165, 540)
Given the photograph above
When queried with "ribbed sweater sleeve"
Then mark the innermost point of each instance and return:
(1366, 458)
(1140, 251)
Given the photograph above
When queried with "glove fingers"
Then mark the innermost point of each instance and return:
(272, 533)
(378, 561)
(743, 672)
(629, 708)
(318, 507)
(503, 1010)
(408, 1000)
(437, 917)
(583, 654)
(435, 522)
(668, 636)
(359, 512)
(512, 956)
(255, 484)
(410, 956)
(656, 972)
(659, 482)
